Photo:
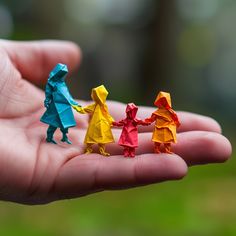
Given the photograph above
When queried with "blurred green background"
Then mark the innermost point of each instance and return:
(136, 48)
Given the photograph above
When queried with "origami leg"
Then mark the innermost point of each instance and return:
(126, 152)
(157, 147)
(132, 152)
(65, 138)
(102, 150)
(51, 130)
(167, 148)
(88, 148)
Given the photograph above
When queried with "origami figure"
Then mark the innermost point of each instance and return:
(129, 135)
(58, 102)
(99, 129)
(166, 123)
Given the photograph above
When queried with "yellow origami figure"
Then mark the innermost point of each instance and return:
(166, 123)
(99, 129)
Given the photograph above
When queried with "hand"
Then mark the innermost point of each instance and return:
(78, 108)
(34, 172)
(146, 123)
(116, 124)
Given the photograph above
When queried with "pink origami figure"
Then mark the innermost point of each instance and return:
(129, 136)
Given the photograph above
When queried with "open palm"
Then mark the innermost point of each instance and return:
(34, 172)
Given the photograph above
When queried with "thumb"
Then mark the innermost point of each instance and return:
(32, 61)
(35, 59)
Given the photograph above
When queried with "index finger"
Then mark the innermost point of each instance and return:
(35, 59)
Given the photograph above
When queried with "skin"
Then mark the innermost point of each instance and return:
(35, 172)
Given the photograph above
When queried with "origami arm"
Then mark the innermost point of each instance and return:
(78, 108)
(175, 119)
(84, 110)
(118, 124)
(151, 119)
(110, 119)
(48, 96)
(107, 115)
(143, 122)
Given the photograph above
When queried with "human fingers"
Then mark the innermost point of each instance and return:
(90, 173)
(189, 121)
(35, 59)
(195, 147)
(18, 96)
(199, 147)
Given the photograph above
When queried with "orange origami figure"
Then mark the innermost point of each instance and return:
(99, 129)
(166, 123)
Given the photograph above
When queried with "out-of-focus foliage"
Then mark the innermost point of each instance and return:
(136, 48)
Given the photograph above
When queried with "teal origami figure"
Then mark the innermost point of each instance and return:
(58, 102)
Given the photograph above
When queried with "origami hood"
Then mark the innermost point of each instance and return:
(131, 110)
(99, 94)
(58, 73)
(163, 99)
